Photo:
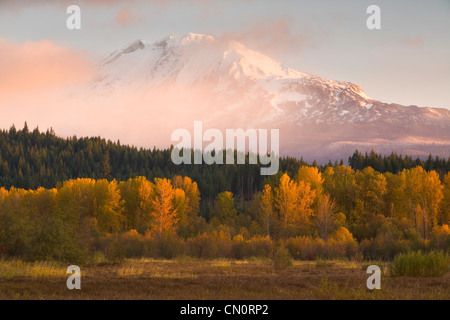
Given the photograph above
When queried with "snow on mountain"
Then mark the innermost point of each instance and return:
(172, 82)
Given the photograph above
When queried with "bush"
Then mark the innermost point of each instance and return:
(441, 238)
(282, 259)
(389, 243)
(259, 246)
(170, 246)
(112, 248)
(239, 247)
(210, 245)
(415, 240)
(98, 258)
(341, 244)
(133, 244)
(418, 264)
(306, 248)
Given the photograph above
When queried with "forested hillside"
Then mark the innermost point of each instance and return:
(395, 163)
(32, 159)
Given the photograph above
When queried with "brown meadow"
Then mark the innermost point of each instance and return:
(196, 279)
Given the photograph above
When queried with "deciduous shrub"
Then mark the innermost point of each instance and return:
(282, 258)
(418, 264)
(259, 246)
(441, 238)
(210, 245)
(341, 244)
(306, 248)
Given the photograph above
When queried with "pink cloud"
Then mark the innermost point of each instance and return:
(272, 38)
(40, 66)
(124, 17)
(413, 42)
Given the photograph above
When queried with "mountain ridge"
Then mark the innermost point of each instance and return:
(225, 84)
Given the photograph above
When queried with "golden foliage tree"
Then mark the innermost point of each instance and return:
(293, 203)
(266, 208)
(311, 176)
(340, 184)
(444, 218)
(325, 217)
(396, 204)
(424, 193)
(138, 194)
(164, 213)
(225, 212)
(370, 188)
(109, 206)
(286, 197)
(187, 204)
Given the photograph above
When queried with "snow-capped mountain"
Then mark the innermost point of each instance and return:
(180, 79)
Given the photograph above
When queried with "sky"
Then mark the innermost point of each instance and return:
(407, 61)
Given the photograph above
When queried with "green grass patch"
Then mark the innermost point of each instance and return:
(37, 269)
(418, 264)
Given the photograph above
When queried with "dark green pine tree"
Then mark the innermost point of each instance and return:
(106, 166)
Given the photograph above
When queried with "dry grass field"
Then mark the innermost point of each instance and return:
(193, 279)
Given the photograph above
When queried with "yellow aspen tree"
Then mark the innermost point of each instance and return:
(191, 191)
(423, 189)
(3, 194)
(109, 206)
(188, 213)
(76, 199)
(305, 201)
(138, 194)
(445, 206)
(431, 197)
(313, 177)
(180, 203)
(293, 204)
(370, 187)
(266, 208)
(225, 212)
(145, 195)
(412, 191)
(340, 184)
(164, 214)
(396, 205)
(286, 198)
(324, 219)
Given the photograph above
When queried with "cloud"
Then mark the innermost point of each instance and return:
(40, 66)
(413, 42)
(124, 17)
(273, 38)
(104, 3)
(36, 80)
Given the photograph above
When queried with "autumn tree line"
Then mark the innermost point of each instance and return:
(340, 213)
(30, 159)
(395, 163)
(89, 199)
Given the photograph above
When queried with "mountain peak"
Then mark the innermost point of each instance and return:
(357, 89)
(185, 38)
(136, 45)
(197, 36)
(228, 85)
